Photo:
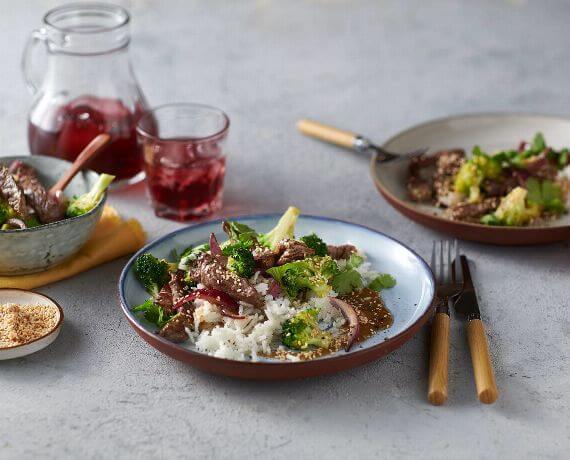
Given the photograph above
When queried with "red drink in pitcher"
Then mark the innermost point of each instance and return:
(76, 124)
(183, 147)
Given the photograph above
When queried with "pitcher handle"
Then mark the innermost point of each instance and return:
(37, 36)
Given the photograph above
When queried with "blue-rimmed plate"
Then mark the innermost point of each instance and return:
(410, 300)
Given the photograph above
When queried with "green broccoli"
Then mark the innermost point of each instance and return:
(153, 313)
(82, 204)
(284, 229)
(315, 243)
(302, 331)
(472, 173)
(6, 212)
(312, 274)
(151, 272)
(240, 259)
(513, 210)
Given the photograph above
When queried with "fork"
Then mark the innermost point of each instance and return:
(449, 283)
(352, 141)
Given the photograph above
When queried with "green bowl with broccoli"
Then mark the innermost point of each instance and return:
(39, 247)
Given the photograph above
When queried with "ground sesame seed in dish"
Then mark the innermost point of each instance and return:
(22, 324)
(264, 295)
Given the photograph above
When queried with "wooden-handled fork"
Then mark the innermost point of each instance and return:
(350, 140)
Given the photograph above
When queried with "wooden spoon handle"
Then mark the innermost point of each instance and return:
(439, 359)
(93, 148)
(327, 133)
(487, 391)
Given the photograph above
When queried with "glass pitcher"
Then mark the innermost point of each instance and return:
(87, 87)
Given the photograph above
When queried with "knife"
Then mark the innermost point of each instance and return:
(467, 305)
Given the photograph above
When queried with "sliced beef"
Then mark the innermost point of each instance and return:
(447, 166)
(265, 258)
(214, 275)
(291, 250)
(499, 187)
(172, 292)
(419, 190)
(175, 329)
(472, 211)
(539, 166)
(343, 251)
(49, 208)
(13, 194)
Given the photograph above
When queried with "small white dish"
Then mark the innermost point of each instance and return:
(22, 297)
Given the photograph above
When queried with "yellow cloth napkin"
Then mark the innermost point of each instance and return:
(112, 238)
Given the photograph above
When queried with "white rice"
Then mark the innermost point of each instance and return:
(248, 338)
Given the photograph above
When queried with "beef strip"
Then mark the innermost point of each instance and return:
(343, 251)
(447, 166)
(13, 194)
(419, 190)
(214, 275)
(48, 207)
(472, 211)
(291, 250)
(498, 188)
(175, 329)
(172, 292)
(265, 258)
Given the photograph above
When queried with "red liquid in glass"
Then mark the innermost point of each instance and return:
(79, 122)
(185, 179)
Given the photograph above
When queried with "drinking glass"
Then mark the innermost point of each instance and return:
(183, 150)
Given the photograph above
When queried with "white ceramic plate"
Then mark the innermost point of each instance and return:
(492, 132)
(22, 297)
(409, 300)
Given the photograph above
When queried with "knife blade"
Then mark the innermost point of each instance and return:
(466, 304)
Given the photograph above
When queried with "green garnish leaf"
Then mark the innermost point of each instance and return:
(347, 281)
(383, 281)
(538, 143)
(354, 261)
(153, 313)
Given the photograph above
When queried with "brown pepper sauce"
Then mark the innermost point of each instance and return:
(373, 316)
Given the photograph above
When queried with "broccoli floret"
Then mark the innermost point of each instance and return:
(312, 274)
(240, 259)
(6, 212)
(284, 229)
(469, 177)
(302, 331)
(315, 243)
(82, 204)
(151, 272)
(513, 210)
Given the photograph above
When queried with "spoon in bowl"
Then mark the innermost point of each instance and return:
(93, 148)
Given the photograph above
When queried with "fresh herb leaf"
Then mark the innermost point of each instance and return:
(347, 281)
(383, 281)
(538, 144)
(237, 231)
(546, 194)
(153, 313)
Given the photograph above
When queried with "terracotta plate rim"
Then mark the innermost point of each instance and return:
(295, 369)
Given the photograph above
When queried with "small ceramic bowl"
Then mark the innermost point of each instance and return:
(22, 297)
(37, 249)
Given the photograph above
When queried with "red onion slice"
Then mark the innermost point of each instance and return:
(227, 304)
(350, 315)
(214, 246)
(274, 289)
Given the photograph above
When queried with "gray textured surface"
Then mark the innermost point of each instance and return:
(376, 66)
